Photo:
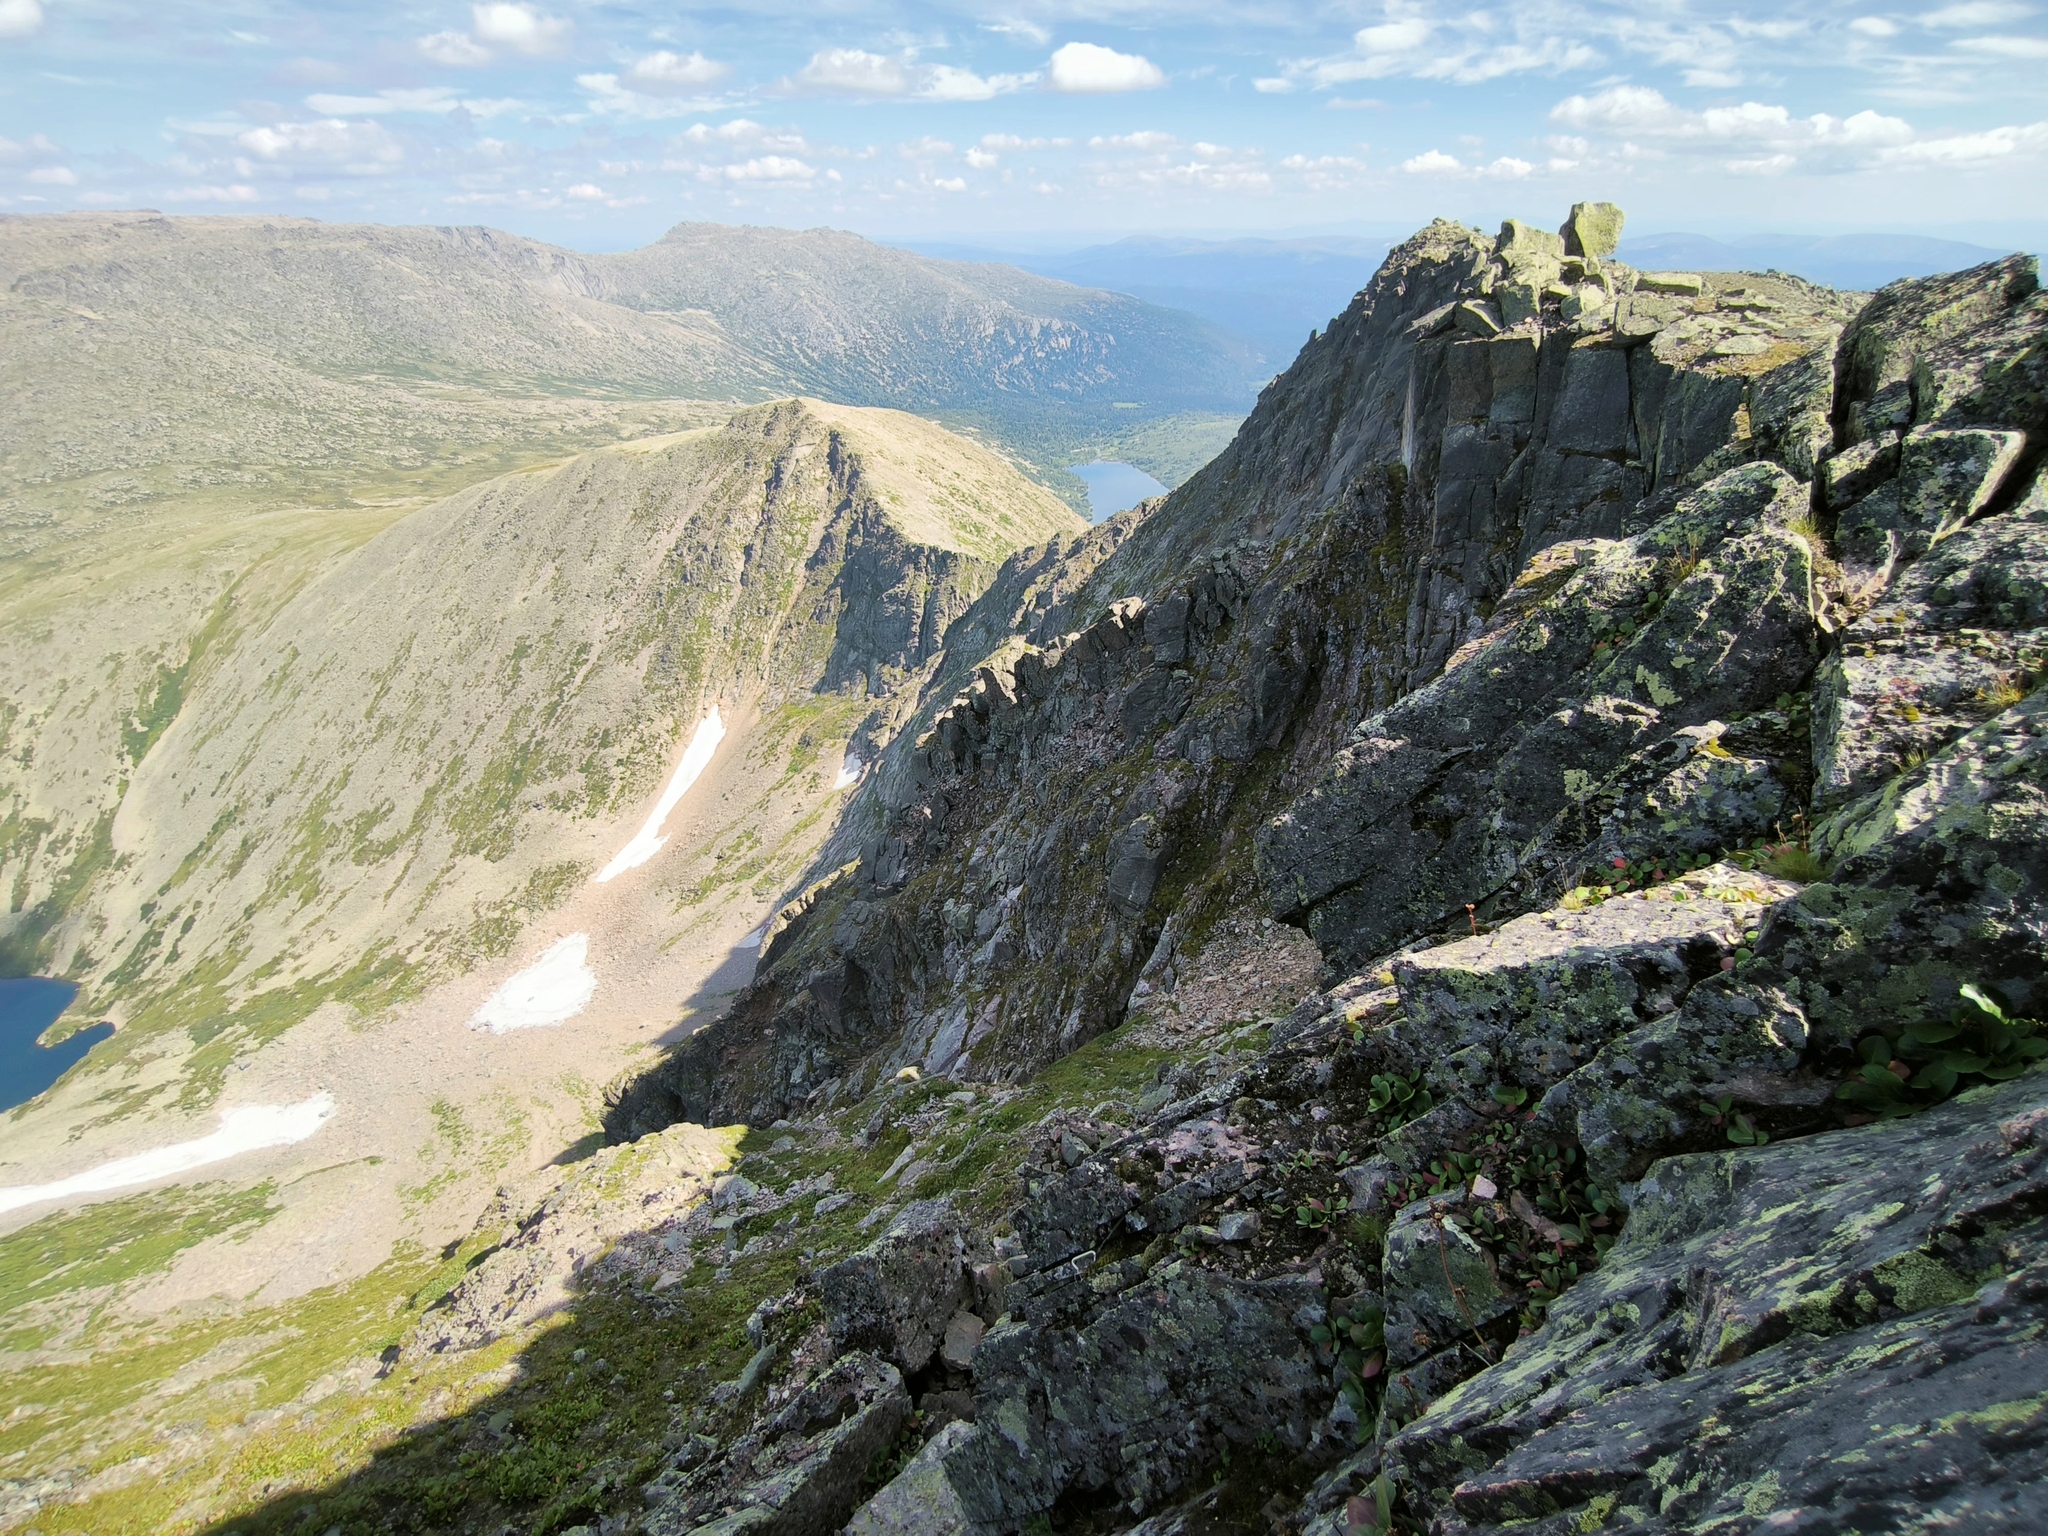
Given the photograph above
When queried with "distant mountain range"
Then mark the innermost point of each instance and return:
(1272, 291)
(1276, 291)
(1859, 262)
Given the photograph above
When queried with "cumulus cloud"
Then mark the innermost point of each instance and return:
(982, 159)
(358, 149)
(54, 176)
(518, 27)
(1975, 13)
(1083, 69)
(499, 26)
(455, 49)
(674, 74)
(770, 168)
(1760, 138)
(1874, 26)
(20, 18)
(1273, 85)
(2005, 47)
(1434, 162)
(859, 73)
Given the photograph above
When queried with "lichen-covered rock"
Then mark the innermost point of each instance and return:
(1707, 616)
(800, 1472)
(1183, 1363)
(897, 1295)
(1547, 990)
(1934, 1420)
(1944, 478)
(1438, 1283)
(1727, 1255)
(1941, 877)
(1956, 636)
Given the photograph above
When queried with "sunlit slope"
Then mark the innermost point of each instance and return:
(450, 729)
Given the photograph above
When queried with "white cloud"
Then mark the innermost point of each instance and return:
(770, 168)
(1874, 26)
(240, 193)
(361, 149)
(519, 27)
(982, 160)
(437, 98)
(2006, 47)
(857, 72)
(1976, 13)
(1761, 139)
(498, 25)
(1030, 31)
(1090, 69)
(1146, 138)
(1508, 168)
(1465, 48)
(20, 18)
(926, 148)
(1273, 86)
(1010, 141)
(585, 192)
(1432, 162)
(673, 74)
(951, 183)
(455, 49)
(1992, 147)
(54, 176)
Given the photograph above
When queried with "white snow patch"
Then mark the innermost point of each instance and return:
(849, 772)
(753, 940)
(248, 1129)
(647, 842)
(555, 987)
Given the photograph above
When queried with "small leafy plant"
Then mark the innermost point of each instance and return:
(1929, 1061)
(1398, 1099)
(1358, 1341)
(1741, 1129)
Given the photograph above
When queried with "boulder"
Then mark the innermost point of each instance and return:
(1593, 229)
(897, 1295)
(801, 1474)
(1547, 990)
(1439, 1288)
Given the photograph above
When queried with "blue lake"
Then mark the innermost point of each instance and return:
(28, 1006)
(1112, 487)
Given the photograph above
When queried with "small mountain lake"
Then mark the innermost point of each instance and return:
(28, 1006)
(1113, 487)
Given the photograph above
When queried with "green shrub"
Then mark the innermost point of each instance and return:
(1980, 1040)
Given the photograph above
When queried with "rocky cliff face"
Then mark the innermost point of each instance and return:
(1627, 681)
(417, 754)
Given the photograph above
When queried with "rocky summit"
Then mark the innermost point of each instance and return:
(1474, 967)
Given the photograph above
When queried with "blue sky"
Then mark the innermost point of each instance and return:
(601, 124)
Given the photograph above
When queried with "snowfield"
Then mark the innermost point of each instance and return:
(248, 1129)
(647, 842)
(556, 987)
